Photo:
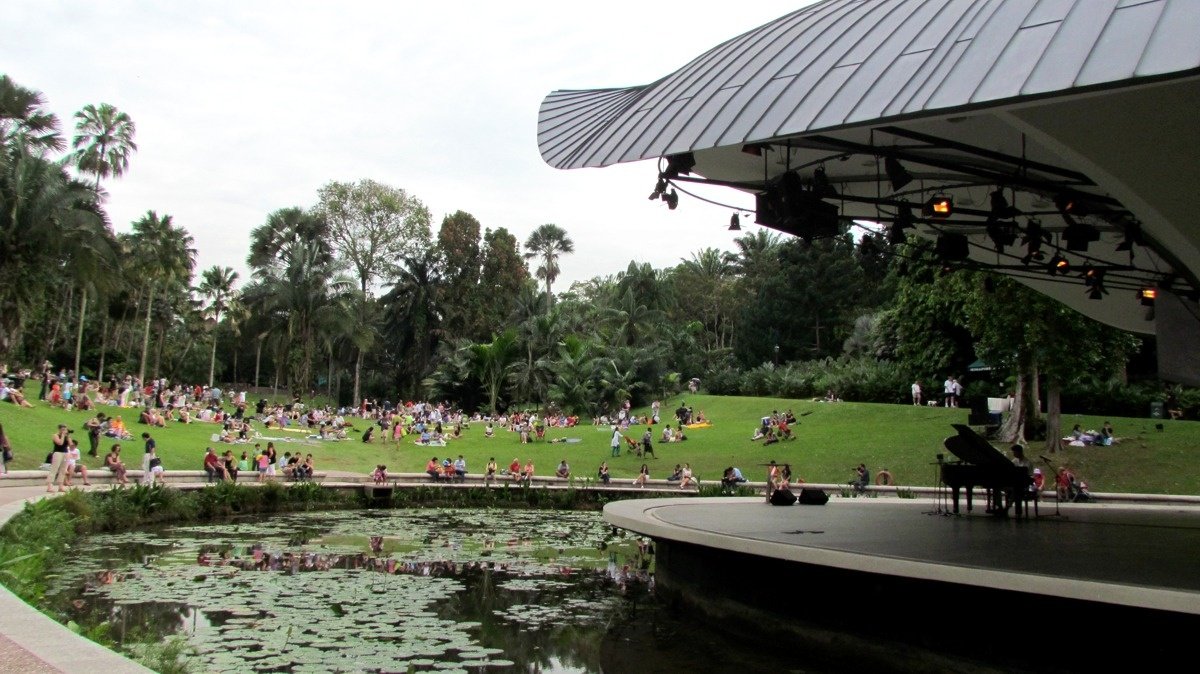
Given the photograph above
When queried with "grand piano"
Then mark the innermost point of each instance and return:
(981, 465)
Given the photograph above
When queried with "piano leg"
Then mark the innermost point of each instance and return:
(954, 495)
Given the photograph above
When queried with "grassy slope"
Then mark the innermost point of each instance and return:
(831, 440)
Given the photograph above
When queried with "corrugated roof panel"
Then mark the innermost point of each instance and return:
(890, 66)
(1015, 65)
(1047, 11)
(725, 132)
(1121, 45)
(803, 116)
(1064, 57)
(850, 61)
(941, 34)
(986, 46)
(1174, 45)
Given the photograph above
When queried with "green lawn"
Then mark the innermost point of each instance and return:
(830, 440)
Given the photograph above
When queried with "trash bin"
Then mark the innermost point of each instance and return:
(1156, 409)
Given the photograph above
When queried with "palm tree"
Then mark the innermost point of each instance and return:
(216, 285)
(547, 243)
(103, 141)
(166, 257)
(23, 120)
(492, 363)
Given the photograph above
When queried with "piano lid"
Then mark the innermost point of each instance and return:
(970, 447)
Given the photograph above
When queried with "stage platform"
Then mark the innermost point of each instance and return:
(1143, 556)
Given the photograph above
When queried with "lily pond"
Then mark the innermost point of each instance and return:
(440, 590)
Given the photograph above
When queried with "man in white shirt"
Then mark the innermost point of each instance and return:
(916, 392)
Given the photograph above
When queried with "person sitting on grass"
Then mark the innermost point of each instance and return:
(770, 438)
(14, 396)
(489, 431)
(563, 470)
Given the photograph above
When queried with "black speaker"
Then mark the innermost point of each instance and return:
(813, 497)
(782, 497)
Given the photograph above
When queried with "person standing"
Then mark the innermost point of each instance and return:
(948, 391)
(916, 392)
(151, 447)
(6, 454)
(94, 426)
(616, 441)
(58, 459)
(648, 444)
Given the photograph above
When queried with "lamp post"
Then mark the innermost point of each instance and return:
(776, 355)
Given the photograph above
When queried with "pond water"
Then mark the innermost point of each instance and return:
(394, 591)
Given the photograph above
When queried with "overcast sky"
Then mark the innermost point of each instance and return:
(245, 107)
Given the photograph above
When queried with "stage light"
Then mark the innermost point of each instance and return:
(659, 188)
(679, 164)
(903, 221)
(1002, 234)
(939, 206)
(1093, 280)
(735, 223)
(1070, 204)
(1147, 296)
(1078, 235)
(1001, 209)
(952, 247)
(755, 149)
(1133, 235)
(1034, 237)
(821, 185)
(1059, 265)
(672, 199)
(896, 173)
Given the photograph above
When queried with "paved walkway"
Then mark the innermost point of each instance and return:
(33, 643)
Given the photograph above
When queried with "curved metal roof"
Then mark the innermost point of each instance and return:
(840, 63)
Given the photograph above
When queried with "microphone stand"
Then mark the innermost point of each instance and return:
(939, 492)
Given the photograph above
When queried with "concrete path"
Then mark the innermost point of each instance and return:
(31, 642)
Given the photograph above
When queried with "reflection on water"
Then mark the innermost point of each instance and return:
(415, 590)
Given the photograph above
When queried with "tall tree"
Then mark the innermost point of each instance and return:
(372, 226)
(458, 240)
(547, 243)
(216, 286)
(501, 278)
(23, 120)
(103, 144)
(165, 259)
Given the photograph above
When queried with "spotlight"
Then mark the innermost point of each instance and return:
(1078, 235)
(1093, 280)
(896, 173)
(755, 149)
(1059, 265)
(1133, 234)
(1034, 237)
(1001, 209)
(672, 199)
(1002, 234)
(903, 221)
(679, 164)
(939, 206)
(1147, 296)
(735, 223)
(659, 188)
(821, 185)
(952, 247)
(1070, 204)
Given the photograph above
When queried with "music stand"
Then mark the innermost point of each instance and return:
(1054, 471)
(939, 490)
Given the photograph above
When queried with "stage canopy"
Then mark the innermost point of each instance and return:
(1055, 141)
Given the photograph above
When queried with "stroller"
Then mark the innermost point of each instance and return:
(1078, 492)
